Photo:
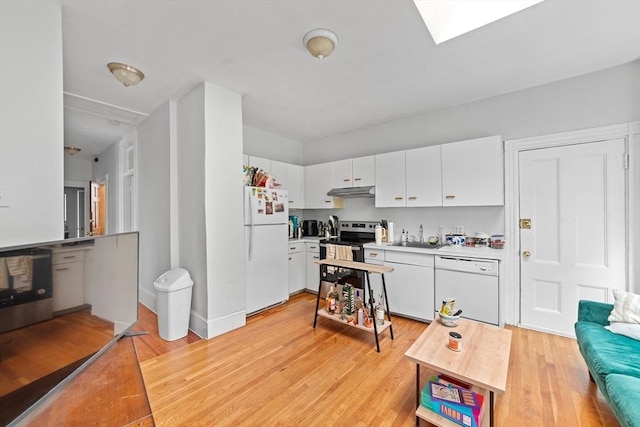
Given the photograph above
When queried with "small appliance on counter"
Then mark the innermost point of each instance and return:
(309, 227)
(293, 226)
(333, 226)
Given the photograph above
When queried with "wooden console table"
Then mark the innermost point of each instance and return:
(366, 269)
(483, 362)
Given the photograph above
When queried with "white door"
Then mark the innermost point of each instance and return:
(575, 249)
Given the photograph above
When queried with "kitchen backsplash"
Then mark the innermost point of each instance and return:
(487, 219)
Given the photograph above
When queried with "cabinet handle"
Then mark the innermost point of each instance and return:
(69, 257)
(316, 257)
(327, 201)
(293, 248)
(373, 254)
(312, 247)
(399, 197)
(62, 269)
(346, 179)
(412, 197)
(449, 197)
(289, 258)
(357, 179)
(290, 201)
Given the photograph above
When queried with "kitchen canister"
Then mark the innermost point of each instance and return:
(380, 234)
(455, 341)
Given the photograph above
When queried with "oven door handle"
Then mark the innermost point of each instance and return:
(353, 248)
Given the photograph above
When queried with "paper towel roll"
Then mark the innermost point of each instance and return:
(390, 232)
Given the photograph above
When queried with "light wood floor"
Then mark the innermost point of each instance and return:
(278, 370)
(63, 340)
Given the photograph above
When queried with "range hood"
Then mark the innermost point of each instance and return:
(367, 191)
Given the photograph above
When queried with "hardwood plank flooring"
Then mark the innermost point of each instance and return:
(279, 371)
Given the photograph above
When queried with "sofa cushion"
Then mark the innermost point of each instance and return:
(631, 330)
(624, 395)
(626, 307)
(606, 352)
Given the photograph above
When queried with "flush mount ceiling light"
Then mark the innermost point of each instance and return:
(72, 151)
(125, 74)
(447, 19)
(320, 42)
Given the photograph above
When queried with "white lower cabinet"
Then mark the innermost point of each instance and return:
(313, 269)
(410, 286)
(68, 280)
(297, 267)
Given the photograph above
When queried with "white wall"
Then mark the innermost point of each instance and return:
(224, 210)
(31, 123)
(107, 169)
(77, 169)
(598, 99)
(209, 147)
(153, 201)
(257, 142)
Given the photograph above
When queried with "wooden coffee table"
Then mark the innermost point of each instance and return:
(483, 361)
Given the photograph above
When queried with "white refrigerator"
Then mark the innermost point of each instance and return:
(266, 230)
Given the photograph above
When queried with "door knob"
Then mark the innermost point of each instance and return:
(526, 254)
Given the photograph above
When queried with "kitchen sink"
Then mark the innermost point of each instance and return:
(424, 245)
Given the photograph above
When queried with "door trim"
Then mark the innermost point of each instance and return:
(510, 296)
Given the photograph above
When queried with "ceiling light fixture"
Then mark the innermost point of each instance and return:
(320, 42)
(72, 151)
(125, 74)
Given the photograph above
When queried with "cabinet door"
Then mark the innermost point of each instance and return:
(313, 271)
(297, 272)
(390, 179)
(473, 172)
(341, 174)
(364, 169)
(260, 163)
(279, 170)
(295, 186)
(423, 175)
(410, 289)
(68, 285)
(317, 184)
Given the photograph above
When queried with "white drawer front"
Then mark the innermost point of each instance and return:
(71, 256)
(409, 258)
(295, 247)
(374, 254)
(313, 248)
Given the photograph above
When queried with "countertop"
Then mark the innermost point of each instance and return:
(310, 239)
(466, 251)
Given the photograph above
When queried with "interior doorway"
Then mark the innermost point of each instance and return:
(98, 209)
(76, 209)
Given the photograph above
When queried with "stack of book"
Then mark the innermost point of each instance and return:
(453, 400)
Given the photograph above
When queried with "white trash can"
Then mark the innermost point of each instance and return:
(174, 303)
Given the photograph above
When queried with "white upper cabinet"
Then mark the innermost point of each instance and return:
(358, 172)
(390, 179)
(318, 181)
(473, 172)
(342, 174)
(423, 176)
(279, 171)
(364, 171)
(260, 163)
(295, 186)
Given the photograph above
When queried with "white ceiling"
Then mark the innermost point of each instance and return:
(385, 66)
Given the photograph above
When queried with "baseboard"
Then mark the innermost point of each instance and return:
(148, 298)
(209, 328)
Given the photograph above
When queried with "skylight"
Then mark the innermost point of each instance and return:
(447, 19)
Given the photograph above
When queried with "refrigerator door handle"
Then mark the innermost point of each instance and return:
(250, 226)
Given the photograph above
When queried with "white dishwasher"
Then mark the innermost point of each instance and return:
(473, 283)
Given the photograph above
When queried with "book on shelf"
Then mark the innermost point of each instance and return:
(456, 403)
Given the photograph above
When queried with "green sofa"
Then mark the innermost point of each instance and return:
(613, 361)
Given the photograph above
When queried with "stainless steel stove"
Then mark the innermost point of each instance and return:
(353, 234)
